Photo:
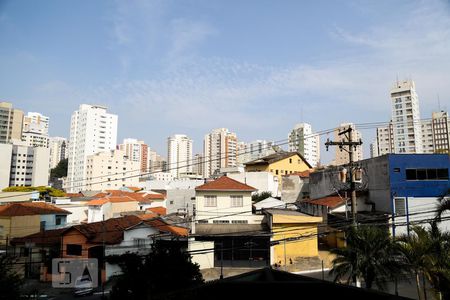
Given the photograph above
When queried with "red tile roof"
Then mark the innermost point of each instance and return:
(161, 211)
(134, 188)
(30, 209)
(225, 183)
(74, 195)
(303, 174)
(330, 201)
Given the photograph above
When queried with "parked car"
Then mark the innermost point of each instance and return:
(83, 286)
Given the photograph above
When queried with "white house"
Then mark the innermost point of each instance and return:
(225, 201)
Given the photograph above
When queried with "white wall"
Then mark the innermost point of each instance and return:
(262, 181)
(205, 260)
(5, 164)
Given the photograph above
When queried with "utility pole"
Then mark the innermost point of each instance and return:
(351, 147)
(103, 258)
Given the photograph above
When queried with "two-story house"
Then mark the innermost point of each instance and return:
(24, 218)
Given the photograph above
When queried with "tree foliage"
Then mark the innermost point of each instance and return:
(370, 255)
(44, 191)
(166, 268)
(10, 282)
(60, 170)
(256, 197)
(427, 253)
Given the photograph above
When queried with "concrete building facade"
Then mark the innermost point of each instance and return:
(23, 166)
(136, 151)
(179, 154)
(406, 118)
(92, 130)
(58, 150)
(341, 156)
(253, 150)
(11, 123)
(219, 150)
(303, 141)
(111, 170)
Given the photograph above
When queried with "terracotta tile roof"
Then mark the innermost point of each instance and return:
(225, 183)
(99, 201)
(147, 216)
(30, 209)
(134, 188)
(48, 237)
(161, 211)
(74, 195)
(101, 195)
(164, 227)
(330, 201)
(269, 159)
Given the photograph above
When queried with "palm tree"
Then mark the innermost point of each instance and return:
(443, 206)
(370, 255)
(427, 252)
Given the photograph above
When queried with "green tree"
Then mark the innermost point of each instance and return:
(256, 197)
(10, 282)
(370, 255)
(44, 191)
(427, 253)
(166, 268)
(60, 170)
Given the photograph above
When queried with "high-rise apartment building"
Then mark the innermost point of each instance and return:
(441, 132)
(179, 154)
(58, 150)
(156, 162)
(251, 151)
(35, 130)
(406, 118)
(11, 123)
(111, 170)
(197, 164)
(92, 130)
(137, 151)
(303, 140)
(342, 157)
(220, 151)
(23, 166)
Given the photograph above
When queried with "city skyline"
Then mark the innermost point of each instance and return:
(288, 78)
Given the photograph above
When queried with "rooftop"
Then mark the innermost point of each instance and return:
(225, 183)
(274, 158)
(31, 209)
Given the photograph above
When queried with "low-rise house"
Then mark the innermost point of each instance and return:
(399, 189)
(114, 236)
(279, 164)
(24, 218)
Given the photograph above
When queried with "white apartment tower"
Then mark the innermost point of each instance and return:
(220, 151)
(302, 140)
(23, 166)
(179, 154)
(92, 130)
(441, 132)
(406, 118)
(342, 157)
(35, 130)
(58, 150)
(136, 151)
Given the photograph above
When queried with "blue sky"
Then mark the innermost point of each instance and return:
(256, 67)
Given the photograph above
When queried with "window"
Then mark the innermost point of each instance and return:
(73, 249)
(239, 222)
(276, 172)
(140, 243)
(400, 206)
(237, 201)
(58, 220)
(290, 160)
(426, 174)
(203, 221)
(221, 222)
(210, 201)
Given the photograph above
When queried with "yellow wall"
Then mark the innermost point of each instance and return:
(285, 166)
(306, 246)
(19, 226)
